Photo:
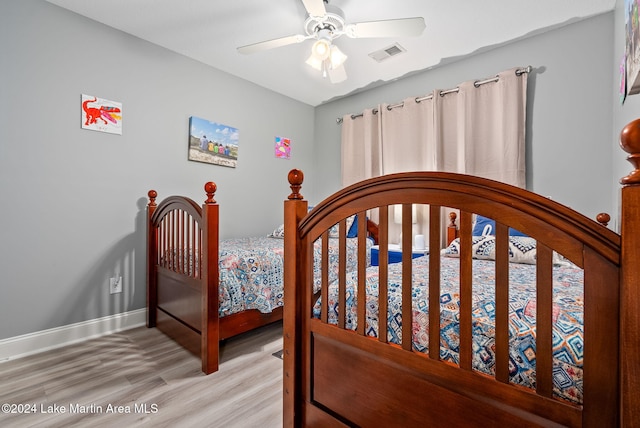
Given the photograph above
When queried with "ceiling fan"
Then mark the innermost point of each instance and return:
(326, 23)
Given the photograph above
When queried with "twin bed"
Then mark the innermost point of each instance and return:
(540, 329)
(202, 290)
(502, 330)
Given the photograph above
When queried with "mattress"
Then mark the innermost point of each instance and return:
(567, 317)
(251, 271)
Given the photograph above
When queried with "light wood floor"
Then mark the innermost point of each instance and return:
(142, 367)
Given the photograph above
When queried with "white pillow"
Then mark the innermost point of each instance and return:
(522, 249)
(278, 232)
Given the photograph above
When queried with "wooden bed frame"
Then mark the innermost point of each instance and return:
(338, 377)
(183, 302)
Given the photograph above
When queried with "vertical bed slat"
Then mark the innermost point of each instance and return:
(200, 246)
(167, 244)
(502, 303)
(164, 254)
(434, 282)
(383, 273)
(362, 291)
(184, 245)
(181, 246)
(193, 250)
(466, 290)
(168, 254)
(324, 277)
(187, 244)
(177, 249)
(176, 240)
(407, 252)
(172, 235)
(544, 319)
(342, 273)
(160, 246)
(158, 233)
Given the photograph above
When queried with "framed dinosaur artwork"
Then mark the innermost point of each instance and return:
(101, 115)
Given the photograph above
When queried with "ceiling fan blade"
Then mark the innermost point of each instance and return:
(271, 44)
(338, 74)
(315, 7)
(386, 28)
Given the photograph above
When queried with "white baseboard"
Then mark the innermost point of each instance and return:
(33, 343)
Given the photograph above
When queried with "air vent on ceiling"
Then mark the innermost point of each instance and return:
(387, 52)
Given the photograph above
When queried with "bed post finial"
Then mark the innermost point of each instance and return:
(603, 219)
(452, 219)
(152, 197)
(210, 188)
(452, 228)
(295, 180)
(630, 143)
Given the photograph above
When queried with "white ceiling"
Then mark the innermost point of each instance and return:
(210, 31)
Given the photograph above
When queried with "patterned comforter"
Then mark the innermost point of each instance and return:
(251, 271)
(567, 317)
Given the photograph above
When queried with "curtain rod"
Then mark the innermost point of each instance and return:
(477, 84)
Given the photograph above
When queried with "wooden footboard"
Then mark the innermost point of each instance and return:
(182, 272)
(340, 376)
(183, 278)
(367, 385)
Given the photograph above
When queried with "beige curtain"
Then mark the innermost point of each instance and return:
(480, 130)
(408, 139)
(477, 128)
(361, 147)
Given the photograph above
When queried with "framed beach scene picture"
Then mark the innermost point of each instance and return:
(212, 142)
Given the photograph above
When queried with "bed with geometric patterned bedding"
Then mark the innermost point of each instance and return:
(202, 290)
(467, 354)
(251, 271)
(567, 317)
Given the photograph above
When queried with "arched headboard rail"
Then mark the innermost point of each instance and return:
(532, 214)
(176, 203)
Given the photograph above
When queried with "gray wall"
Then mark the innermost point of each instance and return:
(74, 200)
(569, 96)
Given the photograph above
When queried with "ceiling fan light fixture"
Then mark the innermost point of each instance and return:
(337, 74)
(324, 24)
(315, 62)
(337, 57)
(321, 49)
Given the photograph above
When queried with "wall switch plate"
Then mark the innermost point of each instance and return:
(115, 285)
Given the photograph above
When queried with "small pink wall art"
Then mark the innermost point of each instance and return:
(283, 148)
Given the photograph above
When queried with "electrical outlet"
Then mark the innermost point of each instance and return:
(115, 285)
